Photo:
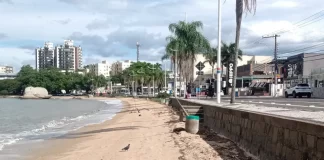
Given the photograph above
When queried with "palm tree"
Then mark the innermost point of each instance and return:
(228, 56)
(188, 41)
(241, 5)
(211, 58)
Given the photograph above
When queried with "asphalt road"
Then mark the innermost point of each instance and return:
(307, 104)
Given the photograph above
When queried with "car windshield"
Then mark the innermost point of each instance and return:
(302, 85)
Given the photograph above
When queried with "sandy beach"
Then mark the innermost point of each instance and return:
(148, 127)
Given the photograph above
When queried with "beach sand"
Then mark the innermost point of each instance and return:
(147, 126)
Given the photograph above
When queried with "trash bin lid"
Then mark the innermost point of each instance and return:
(192, 117)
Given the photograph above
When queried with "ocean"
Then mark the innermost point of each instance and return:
(31, 121)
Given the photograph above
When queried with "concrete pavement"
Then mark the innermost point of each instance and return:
(306, 104)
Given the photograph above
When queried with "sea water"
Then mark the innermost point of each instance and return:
(29, 121)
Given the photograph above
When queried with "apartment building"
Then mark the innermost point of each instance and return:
(65, 57)
(45, 56)
(118, 66)
(68, 57)
(98, 69)
(6, 69)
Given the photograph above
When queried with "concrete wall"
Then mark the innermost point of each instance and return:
(266, 136)
(318, 92)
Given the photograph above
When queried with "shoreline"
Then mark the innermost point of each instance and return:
(52, 147)
(153, 131)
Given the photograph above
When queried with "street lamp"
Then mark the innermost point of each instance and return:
(153, 78)
(175, 71)
(219, 53)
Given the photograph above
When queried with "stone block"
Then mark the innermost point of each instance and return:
(275, 135)
(293, 136)
(286, 137)
(279, 149)
(310, 141)
(302, 141)
(320, 145)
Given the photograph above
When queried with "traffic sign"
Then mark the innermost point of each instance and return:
(200, 73)
(200, 66)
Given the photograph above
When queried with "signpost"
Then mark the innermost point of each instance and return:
(200, 66)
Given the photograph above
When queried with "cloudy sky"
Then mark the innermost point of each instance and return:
(109, 29)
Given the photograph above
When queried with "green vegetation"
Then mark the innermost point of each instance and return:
(142, 73)
(52, 79)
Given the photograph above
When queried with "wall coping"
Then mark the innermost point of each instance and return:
(254, 112)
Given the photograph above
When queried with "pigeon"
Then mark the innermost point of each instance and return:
(126, 148)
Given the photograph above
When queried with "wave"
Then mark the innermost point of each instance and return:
(56, 128)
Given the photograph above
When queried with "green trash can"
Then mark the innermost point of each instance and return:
(192, 124)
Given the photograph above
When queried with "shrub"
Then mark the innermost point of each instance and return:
(163, 95)
(4, 92)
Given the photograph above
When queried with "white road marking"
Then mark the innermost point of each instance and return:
(260, 102)
(250, 101)
(288, 104)
(273, 103)
(311, 106)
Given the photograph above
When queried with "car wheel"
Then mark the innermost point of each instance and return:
(286, 95)
(294, 94)
(300, 96)
(309, 95)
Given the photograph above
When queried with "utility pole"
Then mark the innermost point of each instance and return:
(175, 72)
(275, 59)
(137, 45)
(165, 79)
(218, 87)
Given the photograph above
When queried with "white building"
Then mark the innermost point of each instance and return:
(45, 56)
(6, 69)
(246, 59)
(66, 57)
(98, 69)
(118, 66)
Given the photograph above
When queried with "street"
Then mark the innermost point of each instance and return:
(306, 104)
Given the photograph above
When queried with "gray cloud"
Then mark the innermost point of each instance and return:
(97, 24)
(6, 1)
(3, 36)
(64, 21)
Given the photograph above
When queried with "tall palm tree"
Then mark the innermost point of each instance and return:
(211, 58)
(187, 39)
(241, 5)
(228, 55)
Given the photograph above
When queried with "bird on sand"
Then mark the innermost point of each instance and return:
(126, 148)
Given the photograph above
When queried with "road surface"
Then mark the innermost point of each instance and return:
(307, 104)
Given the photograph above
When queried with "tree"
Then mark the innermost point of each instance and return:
(187, 39)
(211, 58)
(249, 6)
(228, 55)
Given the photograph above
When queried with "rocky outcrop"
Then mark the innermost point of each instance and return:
(35, 93)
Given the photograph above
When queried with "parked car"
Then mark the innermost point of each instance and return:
(299, 90)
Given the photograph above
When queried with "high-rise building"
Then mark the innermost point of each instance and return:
(118, 66)
(98, 69)
(68, 57)
(45, 56)
(6, 69)
(65, 57)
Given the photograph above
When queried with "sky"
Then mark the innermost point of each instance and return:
(109, 29)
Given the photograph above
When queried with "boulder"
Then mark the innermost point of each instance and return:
(35, 93)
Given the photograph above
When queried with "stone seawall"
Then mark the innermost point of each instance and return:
(268, 137)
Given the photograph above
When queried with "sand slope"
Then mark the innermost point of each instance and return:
(148, 128)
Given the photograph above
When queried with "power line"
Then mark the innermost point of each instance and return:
(303, 23)
(303, 49)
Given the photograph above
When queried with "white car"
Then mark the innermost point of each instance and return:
(299, 90)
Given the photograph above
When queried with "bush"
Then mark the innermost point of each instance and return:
(4, 92)
(163, 95)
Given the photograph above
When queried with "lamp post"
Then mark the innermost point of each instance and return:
(219, 53)
(175, 71)
(153, 68)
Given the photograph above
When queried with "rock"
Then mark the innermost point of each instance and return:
(35, 93)
(90, 96)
